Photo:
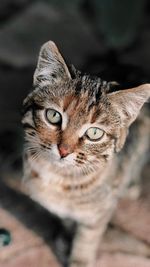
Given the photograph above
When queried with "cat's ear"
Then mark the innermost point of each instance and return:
(129, 102)
(51, 67)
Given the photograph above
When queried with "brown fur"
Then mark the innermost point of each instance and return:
(85, 184)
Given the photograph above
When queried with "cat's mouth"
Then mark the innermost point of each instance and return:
(73, 164)
(64, 163)
(68, 167)
(57, 159)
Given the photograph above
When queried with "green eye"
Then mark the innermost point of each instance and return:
(53, 116)
(94, 133)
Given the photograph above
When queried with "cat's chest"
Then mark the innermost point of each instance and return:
(52, 192)
(56, 199)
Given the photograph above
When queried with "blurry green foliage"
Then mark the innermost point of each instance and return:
(118, 20)
(65, 3)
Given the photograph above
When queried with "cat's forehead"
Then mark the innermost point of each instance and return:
(82, 100)
(81, 97)
(88, 90)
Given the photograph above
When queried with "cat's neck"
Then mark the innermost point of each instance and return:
(49, 175)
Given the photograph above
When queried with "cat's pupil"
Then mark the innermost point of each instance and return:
(95, 131)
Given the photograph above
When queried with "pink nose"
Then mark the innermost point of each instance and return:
(63, 150)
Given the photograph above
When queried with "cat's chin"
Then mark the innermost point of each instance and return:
(68, 169)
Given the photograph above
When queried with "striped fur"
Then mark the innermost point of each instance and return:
(85, 184)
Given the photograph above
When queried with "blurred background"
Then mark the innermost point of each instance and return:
(108, 38)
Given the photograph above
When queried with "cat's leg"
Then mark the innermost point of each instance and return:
(85, 245)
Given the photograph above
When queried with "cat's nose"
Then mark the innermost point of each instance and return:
(63, 150)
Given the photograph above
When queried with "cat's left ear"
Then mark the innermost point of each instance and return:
(51, 67)
(129, 102)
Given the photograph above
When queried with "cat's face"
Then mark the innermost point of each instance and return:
(68, 133)
(72, 124)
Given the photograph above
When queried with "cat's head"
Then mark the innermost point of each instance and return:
(72, 121)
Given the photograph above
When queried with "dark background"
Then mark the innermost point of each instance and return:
(109, 38)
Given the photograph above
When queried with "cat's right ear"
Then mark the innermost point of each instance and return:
(129, 102)
(51, 67)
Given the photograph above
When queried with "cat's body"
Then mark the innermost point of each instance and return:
(74, 129)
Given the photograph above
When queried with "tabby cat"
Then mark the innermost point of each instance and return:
(75, 128)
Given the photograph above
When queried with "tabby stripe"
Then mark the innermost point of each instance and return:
(80, 186)
(28, 126)
(31, 106)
